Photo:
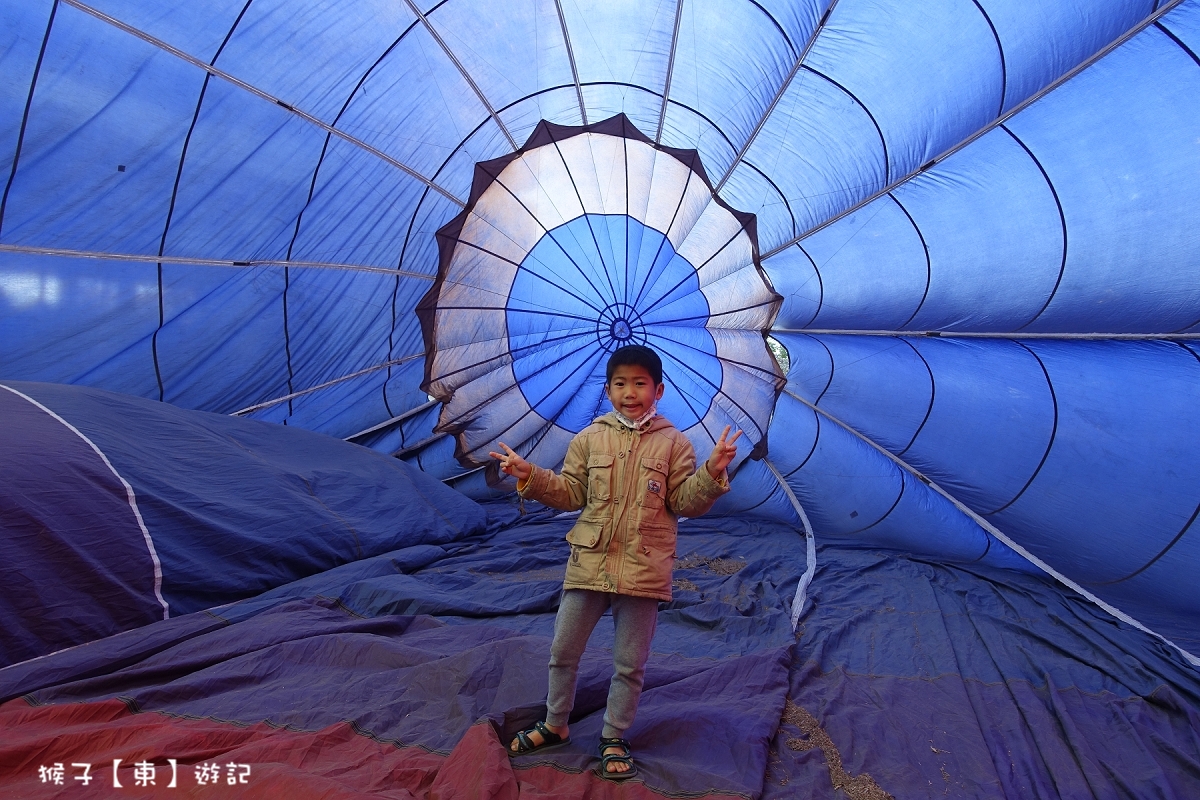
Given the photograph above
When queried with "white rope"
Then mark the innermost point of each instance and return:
(805, 579)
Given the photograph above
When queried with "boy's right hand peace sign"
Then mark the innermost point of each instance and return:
(511, 463)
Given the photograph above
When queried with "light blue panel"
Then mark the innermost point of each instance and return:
(994, 233)
(1119, 144)
(330, 341)
(418, 93)
(239, 196)
(821, 148)
(853, 392)
(69, 190)
(78, 321)
(560, 106)
(1121, 479)
(510, 55)
(337, 44)
(797, 18)
(873, 269)
(643, 108)
(22, 27)
(342, 409)
(754, 491)
(1044, 39)
(749, 190)
(195, 28)
(403, 388)
(928, 72)
(624, 41)
(1184, 23)
(720, 78)
(359, 212)
(222, 347)
(795, 277)
(992, 420)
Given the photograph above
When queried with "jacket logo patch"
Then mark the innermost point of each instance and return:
(653, 486)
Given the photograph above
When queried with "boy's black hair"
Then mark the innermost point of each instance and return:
(635, 355)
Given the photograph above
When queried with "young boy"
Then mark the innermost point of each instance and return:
(632, 474)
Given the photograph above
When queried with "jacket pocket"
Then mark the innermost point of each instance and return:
(600, 476)
(653, 489)
(587, 556)
(656, 558)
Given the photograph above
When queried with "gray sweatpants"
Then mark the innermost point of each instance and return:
(634, 619)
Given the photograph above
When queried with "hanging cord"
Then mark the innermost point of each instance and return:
(805, 579)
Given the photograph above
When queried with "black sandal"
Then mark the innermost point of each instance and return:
(625, 758)
(525, 745)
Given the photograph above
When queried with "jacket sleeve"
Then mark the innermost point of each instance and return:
(691, 493)
(566, 491)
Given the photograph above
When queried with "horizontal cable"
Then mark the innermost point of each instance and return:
(992, 529)
(982, 335)
(210, 69)
(276, 401)
(1028, 101)
(208, 262)
(421, 445)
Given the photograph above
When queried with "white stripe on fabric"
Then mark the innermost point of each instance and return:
(128, 494)
(811, 570)
(992, 529)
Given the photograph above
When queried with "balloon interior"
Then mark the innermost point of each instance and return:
(275, 278)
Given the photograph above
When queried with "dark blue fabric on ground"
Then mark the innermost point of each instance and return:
(233, 507)
(921, 680)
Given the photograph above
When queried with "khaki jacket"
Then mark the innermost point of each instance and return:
(632, 486)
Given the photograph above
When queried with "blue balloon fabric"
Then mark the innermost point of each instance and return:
(935, 259)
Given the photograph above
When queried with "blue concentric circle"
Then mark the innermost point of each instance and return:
(592, 285)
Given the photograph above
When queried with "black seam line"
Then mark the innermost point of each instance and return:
(1000, 49)
(208, 262)
(530, 407)
(786, 203)
(586, 218)
(289, 397)
(767, 373)
(704, 379)
(811, 450)
(928, 265)
(37, 71)
(932, 395)
(688, 402)
(583, 333)
(787, 82)
(625, 285)
(666, 92)
(1173, 541)
(287, 338)
(676, 320)
(1149, 337)
(820, 287)
(887, 167)
(162, 242)
(496, 181)
(412, 173)
(313, 185)
(886, 514)
(412, 221)
(1030, 100)
(832, 367)
(1178, 41)
(696, 270)
(463, 71)
(666, 237)
(1049, 443)
(521, 266)
(562, 21)
(1062, 218)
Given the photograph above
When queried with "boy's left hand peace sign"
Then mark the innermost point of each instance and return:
(724, 451)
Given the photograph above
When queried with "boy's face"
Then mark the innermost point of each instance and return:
(632, 390)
